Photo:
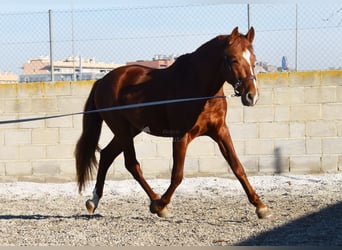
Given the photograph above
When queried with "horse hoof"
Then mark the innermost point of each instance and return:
(90, 205)
(164, 213)
(263, 213)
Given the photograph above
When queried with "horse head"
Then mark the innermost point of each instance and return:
(238, 66)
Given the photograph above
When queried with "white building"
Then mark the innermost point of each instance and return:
(72, 68)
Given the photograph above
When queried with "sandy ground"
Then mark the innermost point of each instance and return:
(307, 210)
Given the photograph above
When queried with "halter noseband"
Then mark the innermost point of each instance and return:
(238, 83)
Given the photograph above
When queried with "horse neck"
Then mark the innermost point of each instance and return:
(208, 63)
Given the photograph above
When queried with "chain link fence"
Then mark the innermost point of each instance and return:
(288, 36)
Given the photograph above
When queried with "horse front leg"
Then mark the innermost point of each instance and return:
(179, 147)
(223, 138)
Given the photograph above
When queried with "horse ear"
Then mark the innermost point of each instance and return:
(235, 33)
(250, 35)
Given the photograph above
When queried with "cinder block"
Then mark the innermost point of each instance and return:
(274, 164)
(332, 145)
(9, 152)
(191, 166)
(164, 149)
(213, 165)
(306, 112)
(60, 122)
(250, 164)
(198, 148)
(339, 94)
(31, 124)
(305, 164)
(273, 130)
(45, 136)
(321, 129)
(18, 105)
(305, 78)
(259, 147)
(146, 150)
(281, 113)
(242, 131)
(67, 168)
(68, 135)
(8, 91)
(313, 146)
(155, 167)
(332, 111)
(258, 114)
(18, 137)
(35, 89)
(290, 146)
(320, 94)
(266, 96)
(81, 88)
(44, 105)
(2, 169)
(18, 168)
(331, 77)
(58, 89)
(297, 129)
(330, 163)
(276, 79)
(288, 96)
(234, 115)
(59, 151)
(31, 152)
(45, 167)
(68, 105)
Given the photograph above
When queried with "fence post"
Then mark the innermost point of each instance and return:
(51, 47)
(248, 17)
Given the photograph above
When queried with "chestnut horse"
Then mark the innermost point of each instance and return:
(226, 58)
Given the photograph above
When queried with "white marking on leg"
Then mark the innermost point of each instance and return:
(95, 198)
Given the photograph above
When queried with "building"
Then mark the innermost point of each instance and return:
(157, 62)
(8, 77)
(72, 68)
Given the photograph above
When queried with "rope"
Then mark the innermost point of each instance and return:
(116, 108)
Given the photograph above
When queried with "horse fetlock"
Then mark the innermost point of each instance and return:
(263, 212)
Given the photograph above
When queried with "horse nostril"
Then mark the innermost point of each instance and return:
(250, 97)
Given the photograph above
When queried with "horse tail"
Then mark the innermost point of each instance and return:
(87, 144)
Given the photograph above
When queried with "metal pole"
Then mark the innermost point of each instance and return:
(51, 48)
(248, 17)
(73, 45)
(296, 52)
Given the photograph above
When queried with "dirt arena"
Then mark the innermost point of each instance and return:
(307, 210)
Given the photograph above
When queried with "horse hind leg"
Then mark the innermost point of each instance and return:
(133, 166)
(107, 156)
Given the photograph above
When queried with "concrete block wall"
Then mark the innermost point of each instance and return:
(295, 127)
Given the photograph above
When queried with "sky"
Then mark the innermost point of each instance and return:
(137, 30)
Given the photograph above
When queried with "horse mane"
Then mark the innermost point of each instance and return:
(217, 42)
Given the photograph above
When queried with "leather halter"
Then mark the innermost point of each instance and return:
(238, 81)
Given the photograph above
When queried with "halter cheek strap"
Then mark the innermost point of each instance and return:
(238, 81)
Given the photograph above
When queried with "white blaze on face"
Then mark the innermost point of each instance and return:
(247, 56)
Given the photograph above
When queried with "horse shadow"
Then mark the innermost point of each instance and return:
(46, 217)
(322, 228)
